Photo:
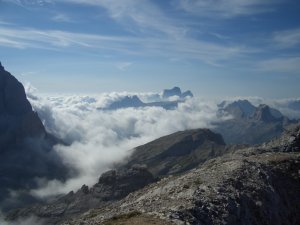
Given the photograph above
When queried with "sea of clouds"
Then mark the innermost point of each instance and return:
(99, 138)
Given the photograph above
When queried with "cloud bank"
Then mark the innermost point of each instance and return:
(100, 138)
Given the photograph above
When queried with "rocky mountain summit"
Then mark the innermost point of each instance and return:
(250, 124)
(255, 185)
(176, 92)
(25, 146)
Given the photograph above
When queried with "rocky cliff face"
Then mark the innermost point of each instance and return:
(25, 146)
(256, 185)
(17, 119)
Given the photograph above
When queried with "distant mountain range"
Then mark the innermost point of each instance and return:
(250, 124)
(165, 101)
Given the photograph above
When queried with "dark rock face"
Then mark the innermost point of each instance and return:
(178, 152)
(25, 146)
(112, 186)
(17, 120)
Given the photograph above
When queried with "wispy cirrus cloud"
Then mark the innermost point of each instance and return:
(61, 17)
(287, 38)
(207, 52)
(35, 38)
(124, 65)
(143, 14)
(226, 8)
(29, 3)
(283, 64)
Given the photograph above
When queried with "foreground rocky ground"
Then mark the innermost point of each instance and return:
(257, 185)
(239, 185)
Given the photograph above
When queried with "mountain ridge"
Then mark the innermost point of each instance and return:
(252, 185)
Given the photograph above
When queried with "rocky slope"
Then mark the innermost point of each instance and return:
(251, 185)
(171, 154)
(178, 152)
(112, 186)
(25, 146)
(257, 185)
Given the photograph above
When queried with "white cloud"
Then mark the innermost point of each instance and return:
(284, 65)
(60, 17)
(100, 138)
(226, 8)
(207, 52)
(286, 108)
(124, 65)
(287, 38)
(141, 13)
(29, 3)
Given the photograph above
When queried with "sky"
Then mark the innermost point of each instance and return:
(212, 47)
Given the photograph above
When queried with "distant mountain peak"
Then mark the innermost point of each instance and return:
(263, 113)
(176, 91)
(239, 108)
(126, 102)
(1, 67)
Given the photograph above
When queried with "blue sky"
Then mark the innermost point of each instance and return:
(213, 47)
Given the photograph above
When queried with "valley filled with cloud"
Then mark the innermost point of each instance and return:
(99, 138)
